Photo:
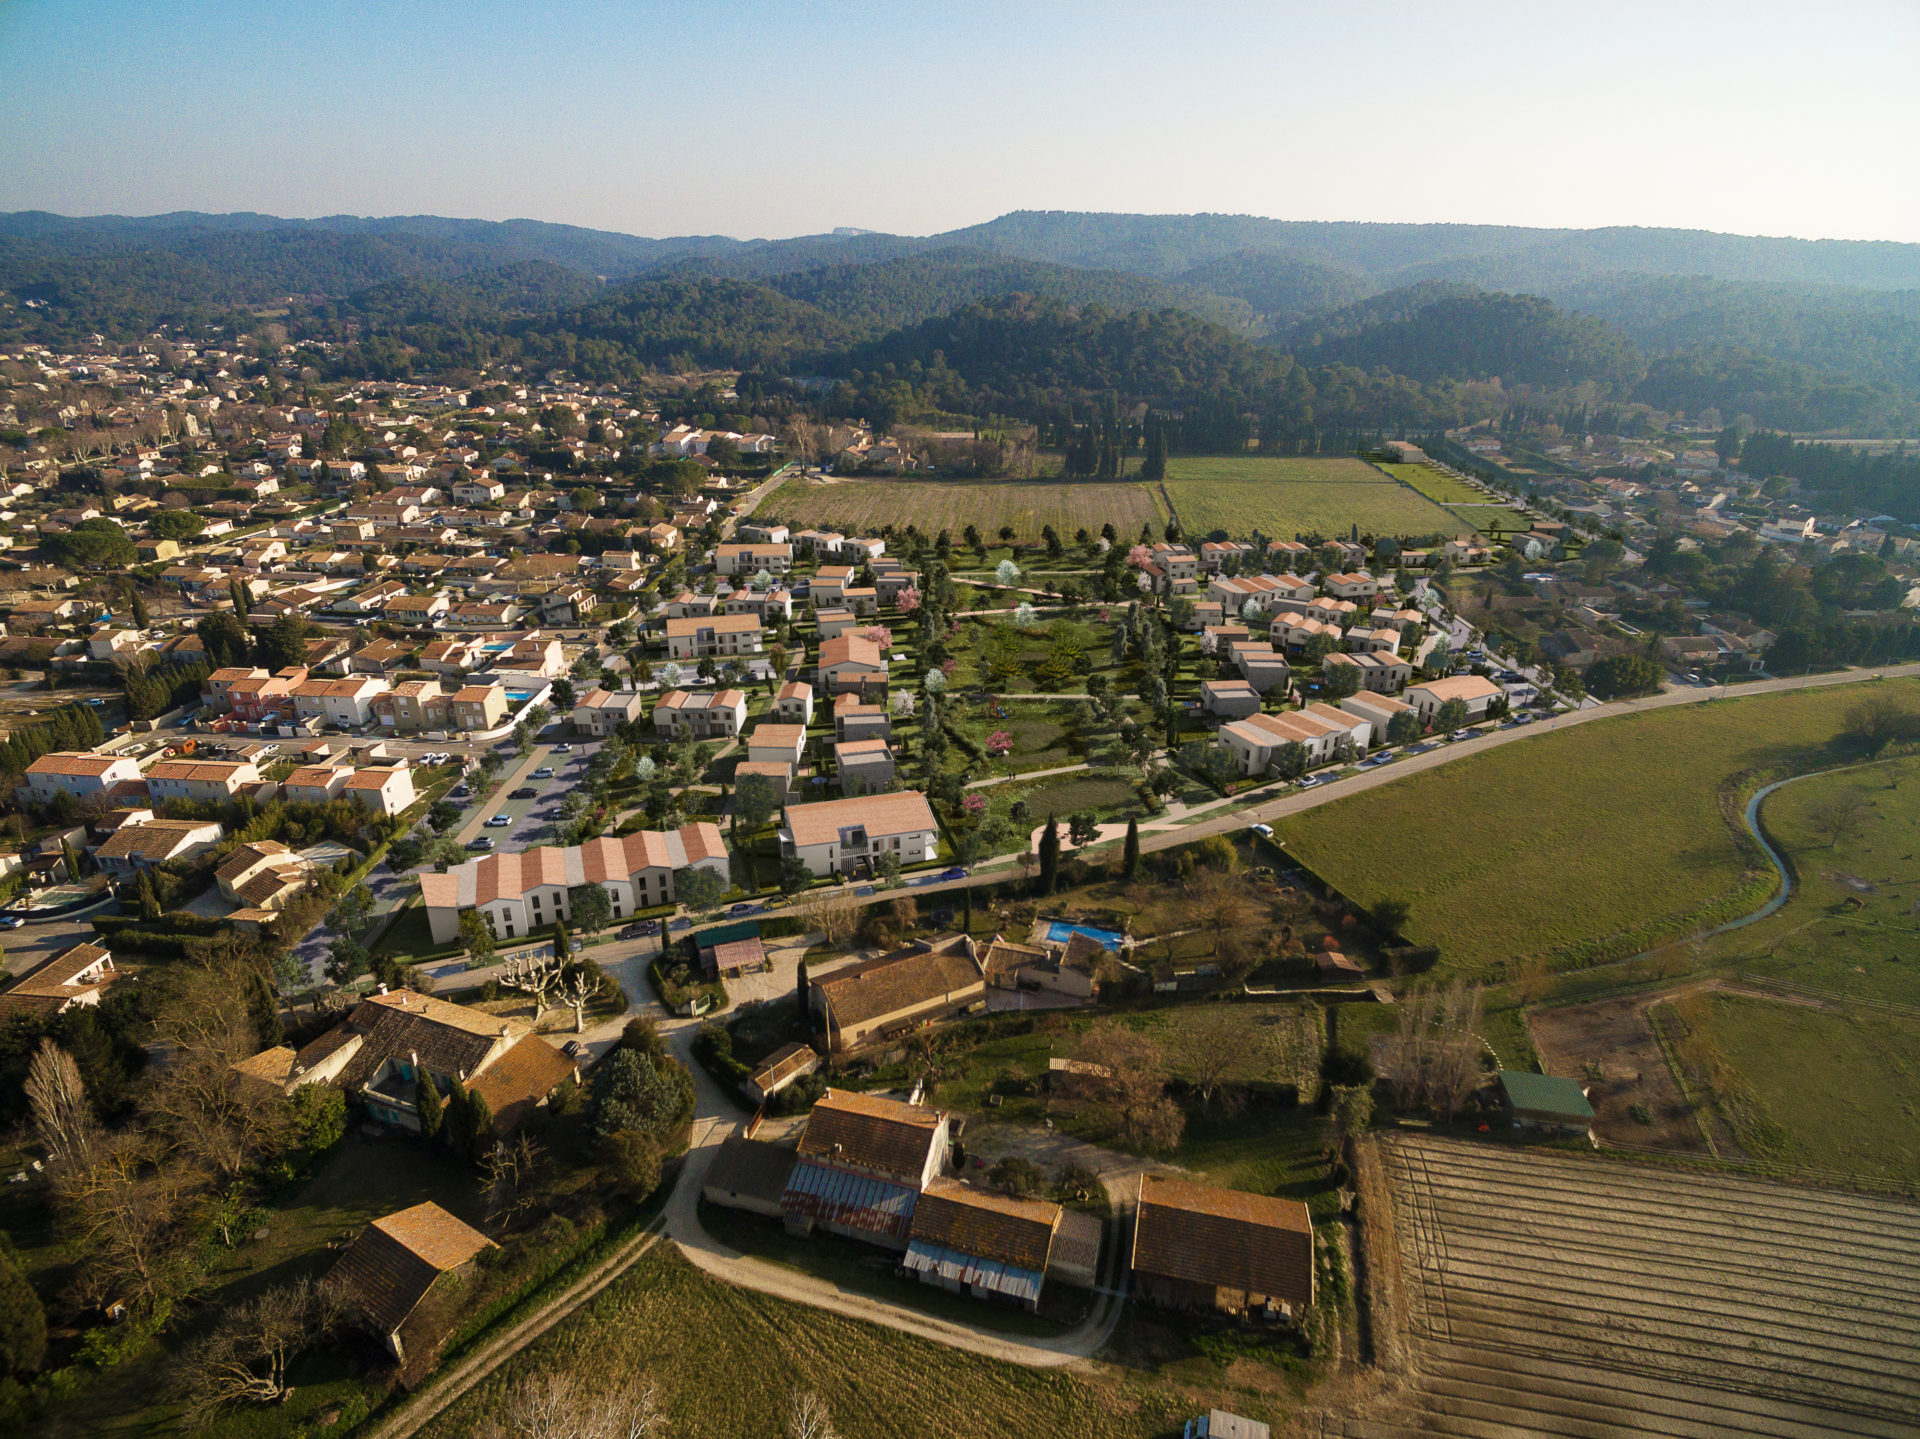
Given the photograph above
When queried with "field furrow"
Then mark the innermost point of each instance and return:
(1554, 1295)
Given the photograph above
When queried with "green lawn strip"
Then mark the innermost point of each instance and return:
(1284, 497)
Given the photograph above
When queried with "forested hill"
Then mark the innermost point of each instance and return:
(1515, 338)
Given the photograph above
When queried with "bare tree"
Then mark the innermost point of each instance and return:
(62, 1115)
(1839, 817)
(1221, 906)
(577, 991)
(807, 1417)
(535, 976)
(1121, 1076)
(1434, 1060)
(244, 1360)
(560, 1405)
(834, 915)
(125, 1210)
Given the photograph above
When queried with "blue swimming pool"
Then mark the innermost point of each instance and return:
(1059, 932)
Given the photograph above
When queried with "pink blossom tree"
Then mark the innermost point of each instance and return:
(1139, 555)
(975, 804)
(999, 742)
(907, 601)
(879, 635)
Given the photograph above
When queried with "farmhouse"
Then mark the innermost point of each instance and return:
(978, 1242)
(863, 1163)
(878, 998)
(395, 1262)
(1221, 1250)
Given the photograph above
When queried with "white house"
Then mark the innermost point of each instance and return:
(384, 791)
(1476, 692)
(203, 781)
(846, 835)
(78, 775)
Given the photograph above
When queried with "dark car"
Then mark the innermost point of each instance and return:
(955, 873)
(744, 908)
(639, 928)
(526, 791)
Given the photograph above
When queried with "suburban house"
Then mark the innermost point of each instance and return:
(851, 665)
(1377, 710)
(883, 997)
(862, 1164)
(865, 766)
(1221, 1250)
(1356, 586)
(698, 637)
(777, 744)
(262, 875)
(1383, 674)
(749, 559)
(1472, 690)
(1262, 666)
(72, 979)
(857, 718)
(794, 703)
(347, 703)
(715, 715)
(78, 776)
(600, 712)
(1255, 740)
(478, 707)
(135, 847)
(384, 791)
(848, 836)
(1229, 699)
(391, 1267)
(520, 893)
(202, 781)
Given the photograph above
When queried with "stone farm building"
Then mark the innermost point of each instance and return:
(1223, 1251)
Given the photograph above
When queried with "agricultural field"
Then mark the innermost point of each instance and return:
(1823, 1086)
(1495, 520)
(866, 507)
(1441, 488)
(1548, 1294)
(727, 1361)
(1580, 846)
(1280, 497)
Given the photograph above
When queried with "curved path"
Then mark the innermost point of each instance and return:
(717, 1117)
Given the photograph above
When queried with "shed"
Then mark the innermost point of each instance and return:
(750, 1174)
(1546, 1101)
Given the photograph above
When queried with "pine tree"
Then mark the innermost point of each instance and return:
(139, 606)
(149, 901)
(426, 1100)
(1130, 853)
(1050, 857)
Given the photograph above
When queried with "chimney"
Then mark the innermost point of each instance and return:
(380, 989)
(413, 1059)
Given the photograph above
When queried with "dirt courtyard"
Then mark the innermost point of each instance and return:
(1613, 1036)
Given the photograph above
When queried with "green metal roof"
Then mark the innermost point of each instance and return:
(1545, 1094)
(726, 933)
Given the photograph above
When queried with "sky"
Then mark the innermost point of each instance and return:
(778, 119)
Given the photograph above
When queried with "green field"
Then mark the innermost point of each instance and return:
(1579, 846)
(1441, 488)
(727, 1361)
(1284, 497)
(868, 506)
(1490, 519)
(1851, 926)
(1829, 1089)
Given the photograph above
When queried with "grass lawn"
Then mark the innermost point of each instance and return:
(1851, 925)
(1238, 494)
(1441, 488)
(865, 507)
(865, 1269)
(727, 1361)
(1109, 795)
(1491, 519)
(1826, 1089)
(1579, 846)
(409, 938)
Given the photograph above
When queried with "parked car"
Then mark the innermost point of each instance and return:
(639, 928)
(955, 873)
(1309, 781)
(544, 772)
(480, 842)
(526, 791)
(1265, 831)
(563, 749)
(11, 921)
(499, 821)
(744, 908)
(459, 791)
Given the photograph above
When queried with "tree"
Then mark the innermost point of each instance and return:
(91, 544)
(563, 1404)
(1876, 722)
(63, 1119)
(1840, 816)
(477, 935)
(794, 875)
(283, 645)
(1120, 1080)
(1433, 1060)
(754, 802)
(1620, 675)
(145, 897)
(1049, 857)
(1008, 573)
(137, 605)
(443, 816)
(1082, 828)
(244, 1359)
(807, 1417)
(1352, 1111)
(1341, 680)
(563, 694)
(1403, 727)
(346, 958)
(23, 1320)
(632, 1091)
(700, 890)
(1451, 715)
(427, 1102)
(590, 906)
(1130, 852)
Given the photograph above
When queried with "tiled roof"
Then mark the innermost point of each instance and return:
(870, 1132)
(756, 1168)
(155, 839)
(448, 1038)
(986, 1225)
(881, 815)
(907, 979)
(1224, 1238)
(57, 981)
(390, 1267)
(515, 1083)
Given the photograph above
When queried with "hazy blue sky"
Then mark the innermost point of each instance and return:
(781, 119)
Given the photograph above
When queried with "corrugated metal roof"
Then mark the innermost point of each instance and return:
(990, 1274)
(833, 1196)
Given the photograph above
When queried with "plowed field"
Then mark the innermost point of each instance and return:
(1551, 1295)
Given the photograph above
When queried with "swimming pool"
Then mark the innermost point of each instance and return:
(1059, 932)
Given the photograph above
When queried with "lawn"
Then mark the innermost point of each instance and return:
(1491, 519)
(1851, 925)
(1237, 495)
(1828, 1089)
(727, 1362)
(1441, 488)
(1575, 847)
(866, 507)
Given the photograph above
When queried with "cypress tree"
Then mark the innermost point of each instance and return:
(966, 909)
(149, 901)
(458, 1117)
(72, 860)
(23, 1320)
(426, 1100)
(1050, 857)
(139, 608)
(1130, 852)
(480, 1135)
(800, 987)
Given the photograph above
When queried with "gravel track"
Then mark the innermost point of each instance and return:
(1554, 1295)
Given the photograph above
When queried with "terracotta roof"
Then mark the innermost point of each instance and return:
(270, 1066)
(869, 1132)
(905, 812)
(986, 1225)
(756, 1168)
(1224, 1238)
(448, 1038)
(390, 1267)
(851, 649)
(907, 979)
(57, 981)
(249, 855)
(515, 1083)
(69, 763)
(154, 839)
